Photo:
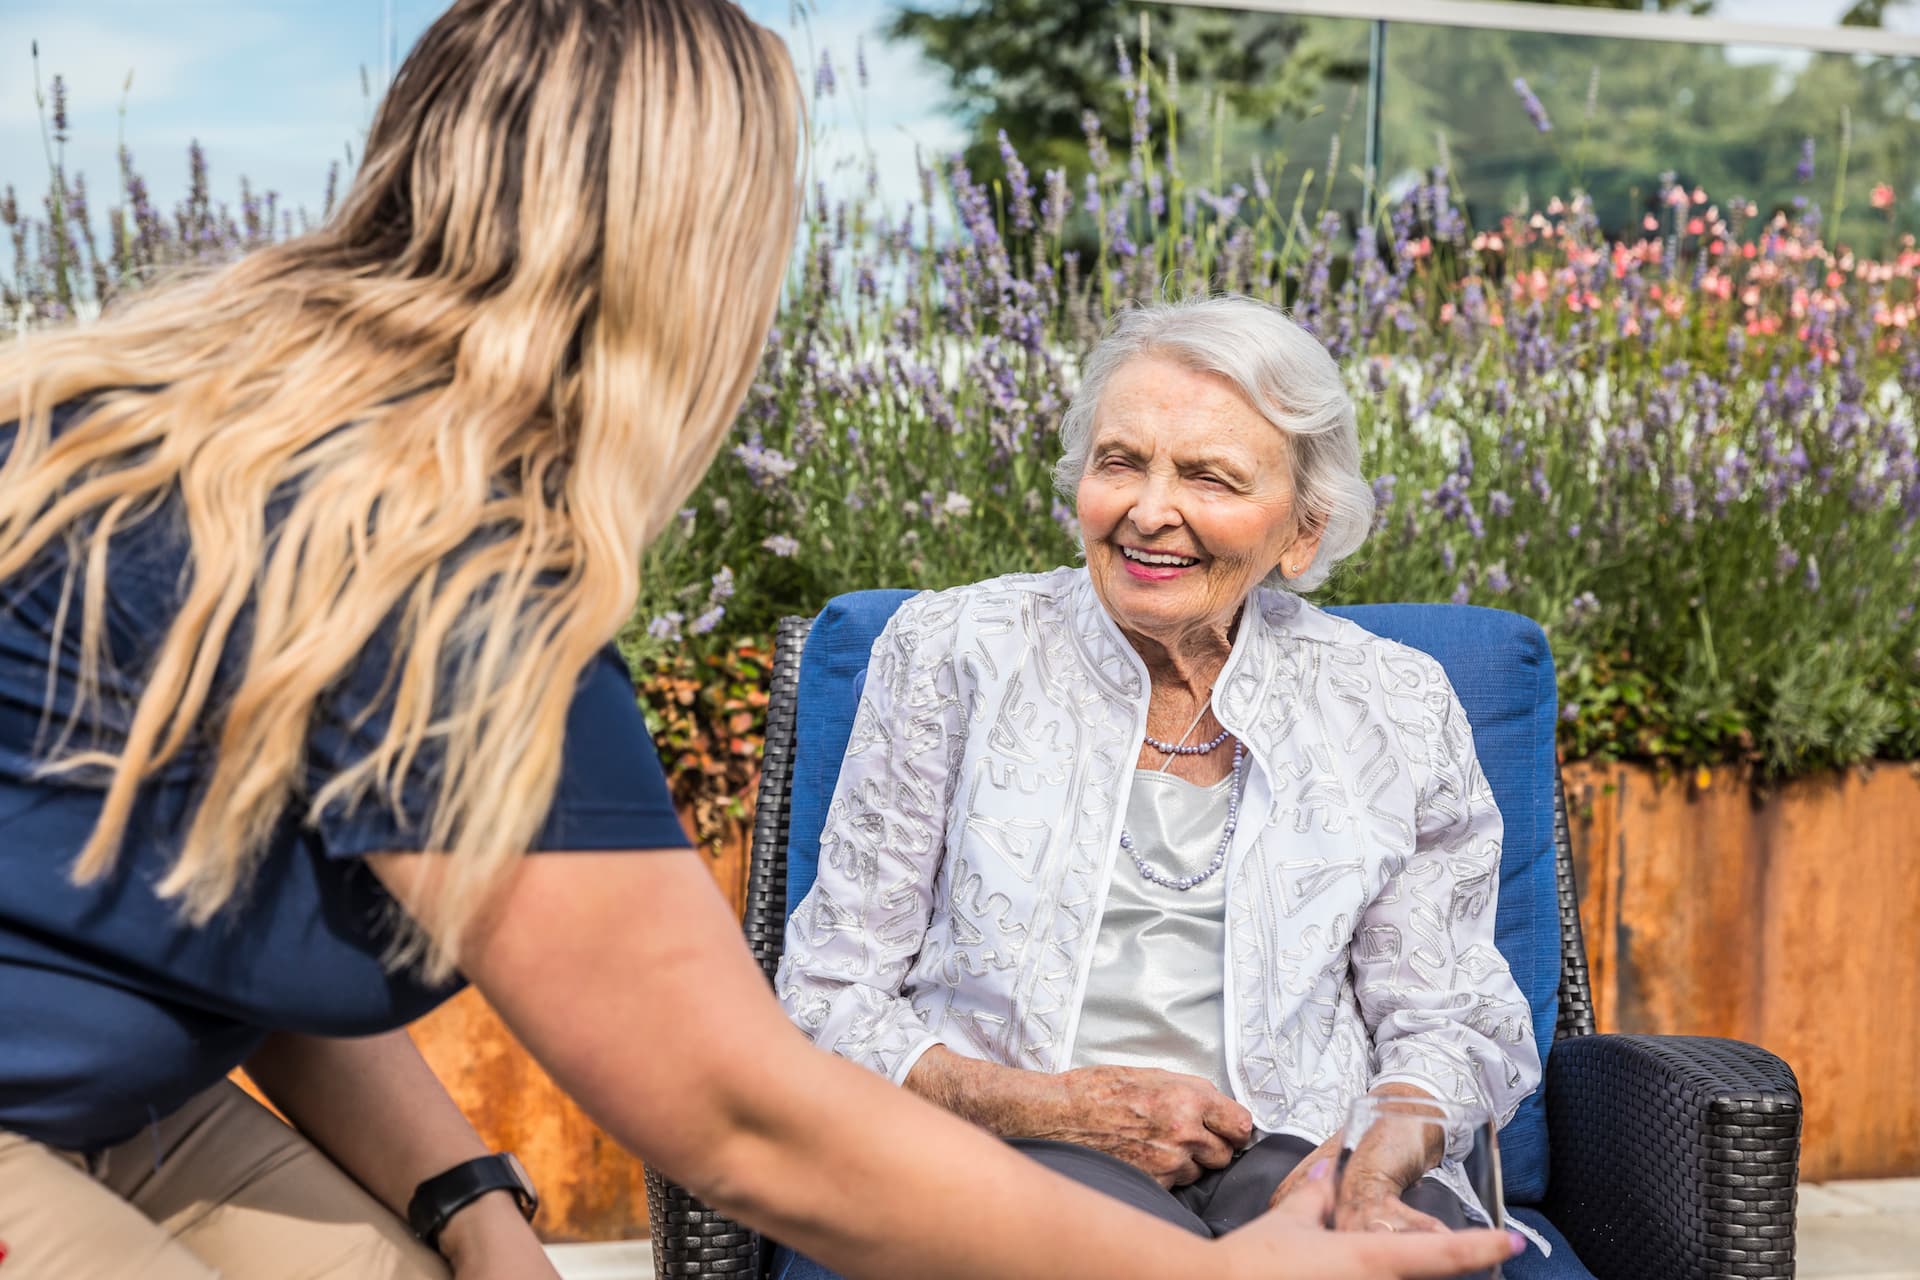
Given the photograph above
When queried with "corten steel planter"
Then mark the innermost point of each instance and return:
(1790, 919)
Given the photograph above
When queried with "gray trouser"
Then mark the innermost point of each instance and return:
(1220, 1199)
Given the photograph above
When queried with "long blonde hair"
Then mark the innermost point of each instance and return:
(473, 397)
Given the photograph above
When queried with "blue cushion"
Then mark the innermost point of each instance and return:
(1534, 1265)
(1501, 668)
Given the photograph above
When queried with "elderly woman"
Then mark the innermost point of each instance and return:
(1151, 867)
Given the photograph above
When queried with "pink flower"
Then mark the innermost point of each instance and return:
(1650, 222)
(1882, 196)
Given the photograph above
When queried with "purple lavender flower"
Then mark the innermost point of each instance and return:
(860, 61)
(707, 621)
(781, 545)
(1019, 186)
(1803, 172)
(764, 466)
(1497, 580)
(1531, 105)
(1570, 713)
(59, 96)
(1461, 593)
(1096, 136)
(823, 79)
(1499, 504)
(1056, 204)
(667, 627)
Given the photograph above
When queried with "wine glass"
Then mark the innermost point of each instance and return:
(1399, 1140)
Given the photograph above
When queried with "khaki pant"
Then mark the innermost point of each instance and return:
(221, 1188)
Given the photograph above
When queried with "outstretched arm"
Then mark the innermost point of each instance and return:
(626, 976)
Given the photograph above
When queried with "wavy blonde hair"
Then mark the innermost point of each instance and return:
(473, 397)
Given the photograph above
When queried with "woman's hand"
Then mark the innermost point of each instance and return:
(1291, 1240)
(1168, 1125)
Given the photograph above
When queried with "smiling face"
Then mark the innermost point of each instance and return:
(1186, 502)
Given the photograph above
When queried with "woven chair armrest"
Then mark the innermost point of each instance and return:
(1673, 1156)
(690, 1239)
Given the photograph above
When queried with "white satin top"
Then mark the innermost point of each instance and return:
(1156, 994)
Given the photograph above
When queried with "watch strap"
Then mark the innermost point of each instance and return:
(437, 1199)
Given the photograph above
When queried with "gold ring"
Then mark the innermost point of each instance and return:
(1382, 1222)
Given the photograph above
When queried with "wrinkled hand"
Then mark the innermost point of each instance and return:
(1291, 1240)
(1166, 1124)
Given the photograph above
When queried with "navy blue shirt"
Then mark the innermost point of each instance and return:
(112, 1012)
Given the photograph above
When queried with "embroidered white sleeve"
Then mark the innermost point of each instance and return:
(1437, 996)
(853, 938)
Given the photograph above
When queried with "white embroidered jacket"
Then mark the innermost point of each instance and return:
(966, 854)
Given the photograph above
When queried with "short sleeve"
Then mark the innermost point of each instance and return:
(612, 793)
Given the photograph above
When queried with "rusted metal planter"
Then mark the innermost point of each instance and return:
(1790, 919)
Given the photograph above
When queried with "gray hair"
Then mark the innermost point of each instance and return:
(1283, 373)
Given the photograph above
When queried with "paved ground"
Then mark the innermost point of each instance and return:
(1860, 1230)
(1848, 1231)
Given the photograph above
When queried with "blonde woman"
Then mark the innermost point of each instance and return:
(308, 570)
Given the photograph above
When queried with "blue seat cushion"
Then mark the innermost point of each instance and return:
(1500, 666)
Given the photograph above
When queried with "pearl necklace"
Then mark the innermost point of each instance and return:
(1174, 749)
(1184, 883)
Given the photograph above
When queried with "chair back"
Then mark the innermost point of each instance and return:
(1501, 668)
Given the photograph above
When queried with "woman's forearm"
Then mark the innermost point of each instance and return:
(626, 976)
(370, 1103)
(376, 1108)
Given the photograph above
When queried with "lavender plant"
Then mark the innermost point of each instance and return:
(1689, 454)
(67, 263)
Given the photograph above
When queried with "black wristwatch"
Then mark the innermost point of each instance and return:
(443, 1195)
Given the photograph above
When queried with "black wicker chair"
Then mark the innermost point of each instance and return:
(1673, 1157)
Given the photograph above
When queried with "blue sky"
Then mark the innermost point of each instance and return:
(274, 90)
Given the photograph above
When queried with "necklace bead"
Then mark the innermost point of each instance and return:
(1198, 749)
(1183, 883)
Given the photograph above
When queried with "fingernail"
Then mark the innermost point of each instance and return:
(1517, 1241)
(1321, 1168)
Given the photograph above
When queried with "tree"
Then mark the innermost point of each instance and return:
(1031, 67)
